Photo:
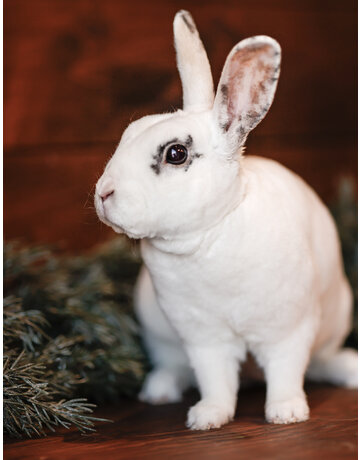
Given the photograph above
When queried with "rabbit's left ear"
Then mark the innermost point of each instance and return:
(247, 87)
(193, 64)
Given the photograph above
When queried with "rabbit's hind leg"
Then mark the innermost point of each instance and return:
(166, 382)
(171, 374)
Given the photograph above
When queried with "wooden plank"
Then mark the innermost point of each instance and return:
(49, 195)
(79, 71)
(141, 431)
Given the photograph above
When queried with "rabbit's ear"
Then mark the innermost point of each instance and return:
(193, 64)
(247, 87)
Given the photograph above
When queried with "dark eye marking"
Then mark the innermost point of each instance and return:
(195, 155)
(159, 156)
(189, 141)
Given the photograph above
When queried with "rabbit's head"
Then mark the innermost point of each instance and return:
(180, 172)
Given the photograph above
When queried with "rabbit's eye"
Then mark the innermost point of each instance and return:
(176, 154)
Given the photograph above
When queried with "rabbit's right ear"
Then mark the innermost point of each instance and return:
(193, 64)
(247, 87)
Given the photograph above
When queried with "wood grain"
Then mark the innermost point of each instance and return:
(79, 71)
(49, 195)
(141, 431)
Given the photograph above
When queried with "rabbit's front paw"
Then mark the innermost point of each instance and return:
(289, 411)
(206, 415)
(160, 387)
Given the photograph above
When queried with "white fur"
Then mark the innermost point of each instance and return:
(193, 64)
(240, 254)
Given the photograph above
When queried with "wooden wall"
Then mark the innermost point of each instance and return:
(77, 71)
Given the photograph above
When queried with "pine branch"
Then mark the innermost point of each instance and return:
(30, 406)
(68, 333)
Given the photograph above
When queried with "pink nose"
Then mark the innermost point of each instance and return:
(106, 189)
(106, 195)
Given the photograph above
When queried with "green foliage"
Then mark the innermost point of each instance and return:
(31, 404)
(345, 212)
(68, 332)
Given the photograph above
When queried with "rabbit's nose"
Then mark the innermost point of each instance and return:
(106, 189)
(106, 195)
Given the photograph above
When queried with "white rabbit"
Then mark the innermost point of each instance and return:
(240, 254)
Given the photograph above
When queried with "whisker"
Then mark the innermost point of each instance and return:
(91, 194)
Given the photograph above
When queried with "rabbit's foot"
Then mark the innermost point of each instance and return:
(206, 415)
(289, 411)
(161, 386)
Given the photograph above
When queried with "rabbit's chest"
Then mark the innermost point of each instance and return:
(227, 294)
(209, 296)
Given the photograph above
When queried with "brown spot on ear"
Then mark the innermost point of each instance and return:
(250, 78)
(188, 22)
(225, 93)
(242, 133)
(255, 92)
(224, 89)
(225, 126)
(252, 116)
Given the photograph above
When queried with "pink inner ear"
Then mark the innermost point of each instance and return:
(250, 80)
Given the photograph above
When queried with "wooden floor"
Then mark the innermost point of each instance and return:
(141, 431)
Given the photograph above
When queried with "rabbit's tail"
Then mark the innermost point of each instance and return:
(331, 362)
(340, 369)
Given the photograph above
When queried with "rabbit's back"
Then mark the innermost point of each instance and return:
(296, 211)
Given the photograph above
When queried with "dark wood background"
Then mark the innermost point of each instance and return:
(76, 73)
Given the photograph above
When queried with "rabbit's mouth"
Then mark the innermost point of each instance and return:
(106, 216)
(101, 212)
(117, 228)
(129, 233)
